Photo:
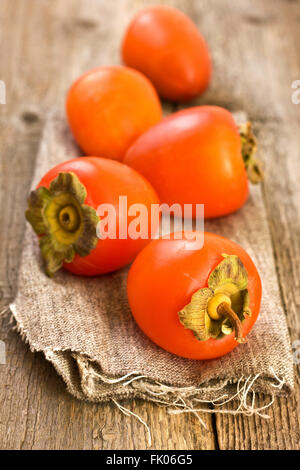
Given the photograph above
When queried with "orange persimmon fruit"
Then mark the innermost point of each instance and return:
(109, 107)
(196, 156)
(195, 301)
(164, 44)
(64, 212)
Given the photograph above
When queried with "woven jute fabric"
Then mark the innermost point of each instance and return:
(85, 328)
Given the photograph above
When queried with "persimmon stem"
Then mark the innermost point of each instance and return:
(225, 310)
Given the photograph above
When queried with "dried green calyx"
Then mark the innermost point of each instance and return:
(66, 225)
(220, 308)
(253, 165)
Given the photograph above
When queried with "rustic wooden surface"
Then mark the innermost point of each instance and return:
(45, 44)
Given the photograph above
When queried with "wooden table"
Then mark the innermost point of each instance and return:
(45, 44)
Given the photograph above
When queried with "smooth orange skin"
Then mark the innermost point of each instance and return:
(162, 280)
(194, 157)
(164, 44)
(105, 180)
(109, 107)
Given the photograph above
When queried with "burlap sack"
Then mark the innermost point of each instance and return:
(85, 328)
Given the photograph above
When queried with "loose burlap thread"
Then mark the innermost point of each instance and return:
(85, 328)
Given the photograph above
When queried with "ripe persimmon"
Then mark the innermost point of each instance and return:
(64, 212)
(164, 44)
(109, 107)
(195, 301)
(196, 156)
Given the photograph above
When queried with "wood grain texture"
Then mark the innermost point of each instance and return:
(276, 122)
(43, 48)
(57, 42)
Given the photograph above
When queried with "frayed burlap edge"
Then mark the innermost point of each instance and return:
(85, 381)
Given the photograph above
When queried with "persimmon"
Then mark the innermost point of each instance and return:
(198, 156)
(109, 107)
(195, 301)
(164, 44)
(64, 212)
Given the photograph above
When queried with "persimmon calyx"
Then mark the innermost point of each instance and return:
(253, 165)
(66, 225)
(220, 308)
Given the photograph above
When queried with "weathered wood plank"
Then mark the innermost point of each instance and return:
(282, 197)
(261, 61)
(39, 58)
(41, 54)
